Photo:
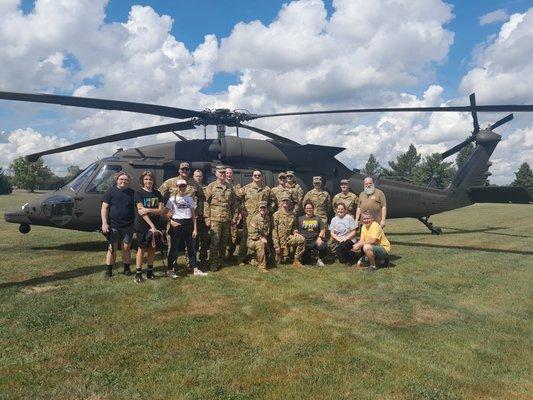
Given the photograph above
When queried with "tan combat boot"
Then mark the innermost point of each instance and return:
(297, 264)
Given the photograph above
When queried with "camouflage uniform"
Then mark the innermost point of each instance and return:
(201, 239)
(284, 224)
(259, 229)
(168, 188)
(250, 196)
(322, 202)
(280, 191)
(297, 194)
(234, 230)
(350, 201)
(219, 208)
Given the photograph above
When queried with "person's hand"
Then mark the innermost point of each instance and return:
(208, 222)
(244, 214)
(194, 234)
(264, 240)
(382, 224)
(154, 230)
(356, 247)
(105, 228)
(356, 225)
(142, 211)
(277, 250)
(175, 224)
(319, 241)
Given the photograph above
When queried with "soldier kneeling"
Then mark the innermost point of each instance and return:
(259, 230)
(285, 233)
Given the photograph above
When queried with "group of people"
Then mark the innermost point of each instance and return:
(268, 226)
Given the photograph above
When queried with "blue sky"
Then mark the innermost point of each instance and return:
(303, 55)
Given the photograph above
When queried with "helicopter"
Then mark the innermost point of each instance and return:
(76, 206)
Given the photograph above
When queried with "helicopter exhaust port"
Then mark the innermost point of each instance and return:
(24, 228)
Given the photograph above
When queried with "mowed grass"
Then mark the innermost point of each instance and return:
(450, 320)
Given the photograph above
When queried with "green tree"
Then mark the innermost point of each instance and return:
(524, 177)
(464, 154)
(405, 164)
(72, 172)
(435, 171)
(29, 175)
(372, 167)
(5, 183)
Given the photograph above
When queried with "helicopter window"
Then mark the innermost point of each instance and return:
(76, 183)
(104, 179)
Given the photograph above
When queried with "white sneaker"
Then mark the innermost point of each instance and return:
(319, 263)
(199, 272)
(174, 275)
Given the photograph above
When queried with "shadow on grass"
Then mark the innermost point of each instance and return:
(448, 230)
(100, 246)
(443, 246)
(59, 276)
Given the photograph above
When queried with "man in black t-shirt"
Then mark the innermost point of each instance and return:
(312, 228)
(118, 215)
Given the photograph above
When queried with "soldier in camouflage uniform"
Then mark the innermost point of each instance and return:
(348, 198)
(201, 240)
(320, 199)
(284, 233)
(297, 192)
(219, 214)
(234, 229)
(250, 196)
(259, 231)
(282, 190)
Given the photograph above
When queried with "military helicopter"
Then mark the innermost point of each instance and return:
(77, 205)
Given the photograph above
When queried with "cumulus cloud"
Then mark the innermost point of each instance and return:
(499, 15)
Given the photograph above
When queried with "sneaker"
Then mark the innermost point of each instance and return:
(127, 271)
(174, 275)
(371, 268)
(199, 272)
(385, 263)
(319, 263)
(138, 278)
(108, 274)
(150, 274)
(214, 268)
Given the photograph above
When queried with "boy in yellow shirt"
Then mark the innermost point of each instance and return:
(373, 243)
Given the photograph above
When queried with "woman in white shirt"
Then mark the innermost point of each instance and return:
(181, 212)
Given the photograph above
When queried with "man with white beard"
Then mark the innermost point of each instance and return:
(372, 200)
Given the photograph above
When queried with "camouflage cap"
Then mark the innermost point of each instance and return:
(282, 175)
(345, 181)
(317, 179)
(185, 165)
(285, 197)
(262, 204)
(289, 173)
(220, 168)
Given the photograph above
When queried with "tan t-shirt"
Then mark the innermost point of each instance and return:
(373, 203)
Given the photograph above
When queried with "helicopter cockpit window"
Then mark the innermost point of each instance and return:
(76, 183)
(104, 179)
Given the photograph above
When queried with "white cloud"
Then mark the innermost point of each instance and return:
(499, 15)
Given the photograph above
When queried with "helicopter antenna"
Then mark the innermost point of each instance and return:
(221, 131)
(182, 138)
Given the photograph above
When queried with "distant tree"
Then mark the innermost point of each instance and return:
(53, 182)
(405, 164)
(464, 154)
(524, 177)
(5, 183)
(72, 172)
(29, 175)
(372, 167)
(433, 170)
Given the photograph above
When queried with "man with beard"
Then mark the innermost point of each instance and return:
(234, 230)
(374, 201)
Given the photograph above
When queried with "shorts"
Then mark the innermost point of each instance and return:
(379, 252)
(120, 235)
(146, 239)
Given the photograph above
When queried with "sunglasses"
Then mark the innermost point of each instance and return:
(282, 178)
(257, 175)
(262, 207)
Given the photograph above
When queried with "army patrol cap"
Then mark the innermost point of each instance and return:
(262, 204)
(317, 179)
(185, 165)
(285, 197)
(220, 168)
(345, 181)
(282, 175)
(289, 173)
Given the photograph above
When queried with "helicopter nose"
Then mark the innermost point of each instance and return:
(17, 217)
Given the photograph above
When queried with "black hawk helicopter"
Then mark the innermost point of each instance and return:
(77, 205)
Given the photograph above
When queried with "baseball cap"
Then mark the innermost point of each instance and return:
(181, 182)
(317, 179)
(345, 181)
(185, 165)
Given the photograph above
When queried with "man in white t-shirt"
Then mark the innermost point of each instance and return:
(343, 228)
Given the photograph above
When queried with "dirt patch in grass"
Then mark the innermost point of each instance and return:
(218, 306)
(39, 289)
(341, 298)
(421, 315)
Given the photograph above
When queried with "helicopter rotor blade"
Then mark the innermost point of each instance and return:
(457, 147)
(177, 126)
(474, 113)
(102, 104)
(268, 134)
(501, 121)
(487, 108)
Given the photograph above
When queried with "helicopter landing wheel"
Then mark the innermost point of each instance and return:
(435, 230)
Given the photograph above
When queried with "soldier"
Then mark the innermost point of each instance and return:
(285, 233)
(346, 197)
(281, 190)
(168, 187)
(373, 200)
(201, 239)
(297, 192)
(259, 231)
(219, 214)
(250, 196)
(320, 198)
(234, 230)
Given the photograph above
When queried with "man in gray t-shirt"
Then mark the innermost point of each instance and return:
(343, 230)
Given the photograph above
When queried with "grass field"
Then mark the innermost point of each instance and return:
(452, 319)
